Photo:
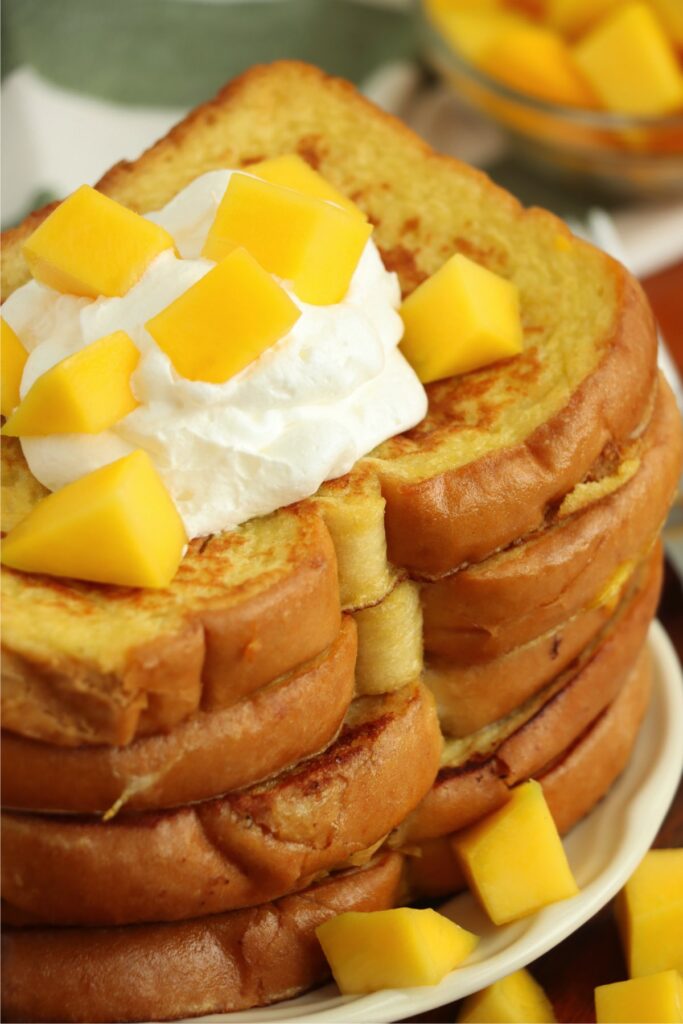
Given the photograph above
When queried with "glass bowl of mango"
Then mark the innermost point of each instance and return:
(591, 90)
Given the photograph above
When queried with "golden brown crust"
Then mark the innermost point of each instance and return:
(491, 608)
(211, 753)
(242, 849)
(164, 971)
(465, 793)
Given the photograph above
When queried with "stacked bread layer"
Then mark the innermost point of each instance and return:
(195, 778)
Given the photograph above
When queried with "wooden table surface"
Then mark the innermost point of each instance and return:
(592, 956)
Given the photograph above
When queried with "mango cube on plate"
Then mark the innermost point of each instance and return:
(301, 239)
(85, 393)
(461, 318)
(650, 914)
(225, 321)
(91, 245)
(292, 171)
(657, 999)
(13, 358)
(516, 999)
(115, 525)
(575, 16)
(630, 64)
(392, 948)
(514, 860)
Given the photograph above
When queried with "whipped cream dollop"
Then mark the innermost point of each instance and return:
(308, 408)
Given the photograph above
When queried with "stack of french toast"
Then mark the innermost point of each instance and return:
(194, 778)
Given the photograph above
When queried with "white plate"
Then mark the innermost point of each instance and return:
(603, 851)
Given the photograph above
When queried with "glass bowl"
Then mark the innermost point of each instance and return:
(615, 155)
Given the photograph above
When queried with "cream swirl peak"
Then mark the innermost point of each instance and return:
(308, 408)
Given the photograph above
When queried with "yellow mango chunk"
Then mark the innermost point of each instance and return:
(392, 948)
(670, 13)
(91, 245)
(572, 17)
(115, 525)
(517, 999)
(536, 61)
(313, 244)
(650, 914)
(461, 318)
(13, 358)
(224, 321)
(657, 999)
(472, 31)
(83, 394)
(514, 860)
(293, 172)
(630, 64)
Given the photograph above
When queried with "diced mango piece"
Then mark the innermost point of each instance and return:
(461, 318)
(650, 914)
(91, 245)
(472, 31)
(224, 321)
(313, 244)
(83, 394)
(670, 13)
(517, 999)
(572, 17)
(630, 63)
(514, 859)
(115, 525)
(392, 948)
(13, 358)
(293, 172)
(657, 999)
(536, 61)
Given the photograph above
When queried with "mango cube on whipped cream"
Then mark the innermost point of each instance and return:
(117, 525)
(392, 948)
(83, 394)
(311, 243)
(293, 172)
(650, 914)
(13, 358)
(656, 999)
(91, 245)
(516, 999)
(514, 860)
(461, 318)
(225, 321)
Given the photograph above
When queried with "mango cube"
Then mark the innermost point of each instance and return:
(670, 13)
(115, 525)
(91, 245)
(224, 321)
(572, 17)
(472, 31)
(83, 394)
(293, 172)
(13, 358)
(461, 318)
(514, 859)
(302, 239)
(517, 999)
(657, 999)
(536, 61)
(650, 914)
(630, 63)
(392, 948)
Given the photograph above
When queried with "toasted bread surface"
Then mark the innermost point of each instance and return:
(497, 445)
(479, 769)
(493, 607)
(239, 850)
(209, 965)
(211, 753)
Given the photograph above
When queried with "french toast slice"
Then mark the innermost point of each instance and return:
(211, 753)
(478, 770)
(239, 850)
(601, 529)
(501, 444)
(572, 785)
(212, 964)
